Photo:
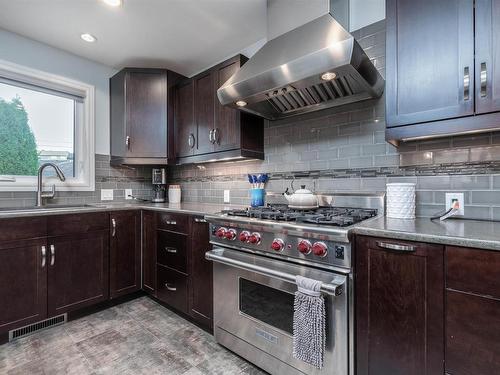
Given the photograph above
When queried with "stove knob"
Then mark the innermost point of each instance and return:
(220, 232)
(320, 249)
(230, 235)
(254, 238)
(244, 236)
(278, 244)
(304, 247)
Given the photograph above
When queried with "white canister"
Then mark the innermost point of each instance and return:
(401, 200)
(174, 194)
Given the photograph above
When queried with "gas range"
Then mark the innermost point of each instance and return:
(319, 237)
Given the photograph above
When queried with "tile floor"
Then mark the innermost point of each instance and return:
(137, 337)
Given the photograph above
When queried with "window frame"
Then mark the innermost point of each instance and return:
(84, 135)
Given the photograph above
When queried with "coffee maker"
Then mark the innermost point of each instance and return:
(159, 181)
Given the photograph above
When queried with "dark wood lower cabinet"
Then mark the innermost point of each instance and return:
(399, 308)
(78, 273)
(23, 283)
(201, 294)
(149, 252)
(472, 311)
(124, 253)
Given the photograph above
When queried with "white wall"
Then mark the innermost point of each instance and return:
(286, 15)
(27, 52)
(365, 12)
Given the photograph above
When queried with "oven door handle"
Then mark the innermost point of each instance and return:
(335, 287)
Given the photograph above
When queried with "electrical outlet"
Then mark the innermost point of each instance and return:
(106, 194)
(227, 196)
(450, 198)
(128, 193)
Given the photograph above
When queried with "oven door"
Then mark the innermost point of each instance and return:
(254, 302)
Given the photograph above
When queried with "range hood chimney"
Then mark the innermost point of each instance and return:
(315, 66)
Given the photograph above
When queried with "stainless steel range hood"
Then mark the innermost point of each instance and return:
(284, 78)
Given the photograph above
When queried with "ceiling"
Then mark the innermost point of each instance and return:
(186, 36)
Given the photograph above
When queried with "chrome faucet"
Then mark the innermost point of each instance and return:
(40, 194)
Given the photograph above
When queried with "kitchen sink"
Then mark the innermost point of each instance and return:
(48, 207)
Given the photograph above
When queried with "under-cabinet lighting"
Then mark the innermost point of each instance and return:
(328, 76)
(241, 103)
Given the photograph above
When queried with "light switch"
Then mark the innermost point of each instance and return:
(227, 196)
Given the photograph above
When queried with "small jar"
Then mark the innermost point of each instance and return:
(174, 194)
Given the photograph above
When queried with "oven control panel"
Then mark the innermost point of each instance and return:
(312, 250)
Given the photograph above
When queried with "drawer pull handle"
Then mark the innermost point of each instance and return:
(44, 256)
(169, 222)
(171, 288)
(392, 246)
(172, 250)
(198, 220)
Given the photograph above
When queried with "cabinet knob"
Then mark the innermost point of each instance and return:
(216, 136)
(127, 141)
(113, 224)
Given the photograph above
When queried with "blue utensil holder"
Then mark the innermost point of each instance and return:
(257, 197)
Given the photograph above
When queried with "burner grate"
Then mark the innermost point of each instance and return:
(333, 216)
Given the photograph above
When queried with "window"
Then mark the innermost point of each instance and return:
(45, 118)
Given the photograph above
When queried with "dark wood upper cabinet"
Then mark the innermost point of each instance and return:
(185, 124)
(399, 308)
(220, 132)
(227, 120)
(487, 56)
(78, 271)
(442, 67)
(125, 253)
(142, 108)
(23, 281)
(204, 111)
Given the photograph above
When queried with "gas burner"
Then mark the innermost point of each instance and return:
(332, 216)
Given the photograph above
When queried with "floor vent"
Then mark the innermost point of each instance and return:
(36, 327)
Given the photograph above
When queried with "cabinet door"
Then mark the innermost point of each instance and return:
(201, 299)
(227, 126)
(399, 308)
(149, 252)
(184, 120)
(125, 253)
(430, 60)
(487, 56)
(146, 114)
(23, 283)
(204, 111)
(78, 271)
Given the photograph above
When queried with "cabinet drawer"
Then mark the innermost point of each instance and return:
(172, 288)
(174, 222)
(474, 271)
(23, 228)
(172, 250)
(61, 225)
(399, 246)
(472, 330)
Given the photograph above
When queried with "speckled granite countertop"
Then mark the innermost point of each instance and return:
(186, 208)
(467, 233)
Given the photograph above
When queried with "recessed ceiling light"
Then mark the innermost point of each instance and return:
(113, 3)
(328, 76)
(88, 38)
(241, 103)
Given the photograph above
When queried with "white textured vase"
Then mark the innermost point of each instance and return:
(401, 200)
